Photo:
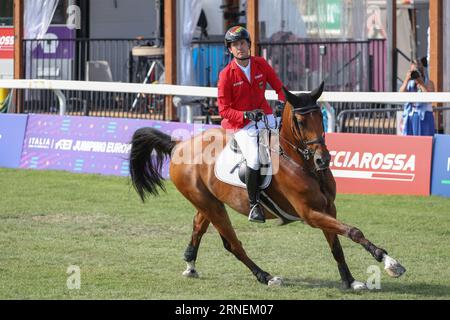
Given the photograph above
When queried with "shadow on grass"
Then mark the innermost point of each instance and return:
(422, 289)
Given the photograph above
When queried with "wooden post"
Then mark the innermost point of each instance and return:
(391, 76)
(18, 50)
(170, 53)
(253, 24)
(436, 63)
(436, 43)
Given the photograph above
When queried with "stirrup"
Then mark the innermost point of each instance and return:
(256, 214)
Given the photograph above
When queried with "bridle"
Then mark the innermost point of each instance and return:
(303, 149)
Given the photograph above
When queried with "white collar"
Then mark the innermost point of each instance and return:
(246, 70)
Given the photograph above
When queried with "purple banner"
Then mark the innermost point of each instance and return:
(61, 44)
(12, 131)
(87, 144)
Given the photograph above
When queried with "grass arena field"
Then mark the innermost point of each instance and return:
(124, 249)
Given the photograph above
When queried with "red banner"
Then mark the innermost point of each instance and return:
(380, 164)
(7, 43)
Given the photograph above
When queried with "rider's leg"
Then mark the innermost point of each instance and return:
(247, 139)
(252, 182)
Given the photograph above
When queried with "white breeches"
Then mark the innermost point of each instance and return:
(247, 139)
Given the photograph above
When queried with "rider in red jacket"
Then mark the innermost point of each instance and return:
(241, 101)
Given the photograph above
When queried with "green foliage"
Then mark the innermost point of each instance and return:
(129, 250)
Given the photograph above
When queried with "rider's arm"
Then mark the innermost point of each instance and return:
(224, 101)
(274, 81)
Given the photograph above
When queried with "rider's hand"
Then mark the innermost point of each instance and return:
(254, 115)
(279, 107)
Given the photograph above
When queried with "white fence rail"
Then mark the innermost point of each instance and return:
(387, 98)
(164, 89)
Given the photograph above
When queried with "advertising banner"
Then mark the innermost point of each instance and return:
(6, 43)
(440, 178)
(60, 45)
(86, 144)
(380, 164)
(12, 132)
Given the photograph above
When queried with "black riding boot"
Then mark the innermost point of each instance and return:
(252, 182)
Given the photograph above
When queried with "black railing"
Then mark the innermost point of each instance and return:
(381, 120)
(442, 119)
(67, 59)
(344, 65)
(93, 60)
(94, 103)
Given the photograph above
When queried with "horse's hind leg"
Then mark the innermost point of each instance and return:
(221, 221)
(214, 211)
(200, 225)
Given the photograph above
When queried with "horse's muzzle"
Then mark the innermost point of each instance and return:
(322, 160)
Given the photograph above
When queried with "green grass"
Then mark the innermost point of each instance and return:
(129, 250)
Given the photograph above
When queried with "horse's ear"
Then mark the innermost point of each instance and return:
(290, 97)
(316, 93)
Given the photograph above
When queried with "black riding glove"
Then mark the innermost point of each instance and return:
(254, 115)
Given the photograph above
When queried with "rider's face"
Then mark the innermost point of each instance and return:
(239, 48)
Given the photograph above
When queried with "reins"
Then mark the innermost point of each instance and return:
(304, 151)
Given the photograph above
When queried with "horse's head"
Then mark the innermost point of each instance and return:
(304, 118)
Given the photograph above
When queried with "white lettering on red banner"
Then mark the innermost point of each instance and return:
(367, 165)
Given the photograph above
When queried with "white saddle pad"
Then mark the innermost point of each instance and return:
(227, 161)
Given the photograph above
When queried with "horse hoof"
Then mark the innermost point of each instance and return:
(275, 282)
(358, 286)
(190, 273)
(392, 267)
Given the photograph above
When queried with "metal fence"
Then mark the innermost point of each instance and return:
(344, 65)
(374, 121)
(68, 59)
(95, 60)
(383, 120)
(94, 103)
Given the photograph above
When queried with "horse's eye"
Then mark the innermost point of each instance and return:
(299, 120)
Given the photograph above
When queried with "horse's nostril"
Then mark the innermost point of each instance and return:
(322, 163)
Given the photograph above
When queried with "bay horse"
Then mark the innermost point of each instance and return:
(304, 185)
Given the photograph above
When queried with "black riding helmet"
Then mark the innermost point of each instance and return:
(236, 33)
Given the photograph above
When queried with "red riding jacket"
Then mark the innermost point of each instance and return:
(237, 94)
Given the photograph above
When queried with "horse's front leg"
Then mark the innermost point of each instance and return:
(338, 254)
(200, 225)
(331, 225)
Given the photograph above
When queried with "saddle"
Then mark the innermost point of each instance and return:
(230, 168)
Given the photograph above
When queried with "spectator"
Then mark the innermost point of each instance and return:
(418, 118)
(327, 109)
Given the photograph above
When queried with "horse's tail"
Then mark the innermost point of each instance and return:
(145, 170)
